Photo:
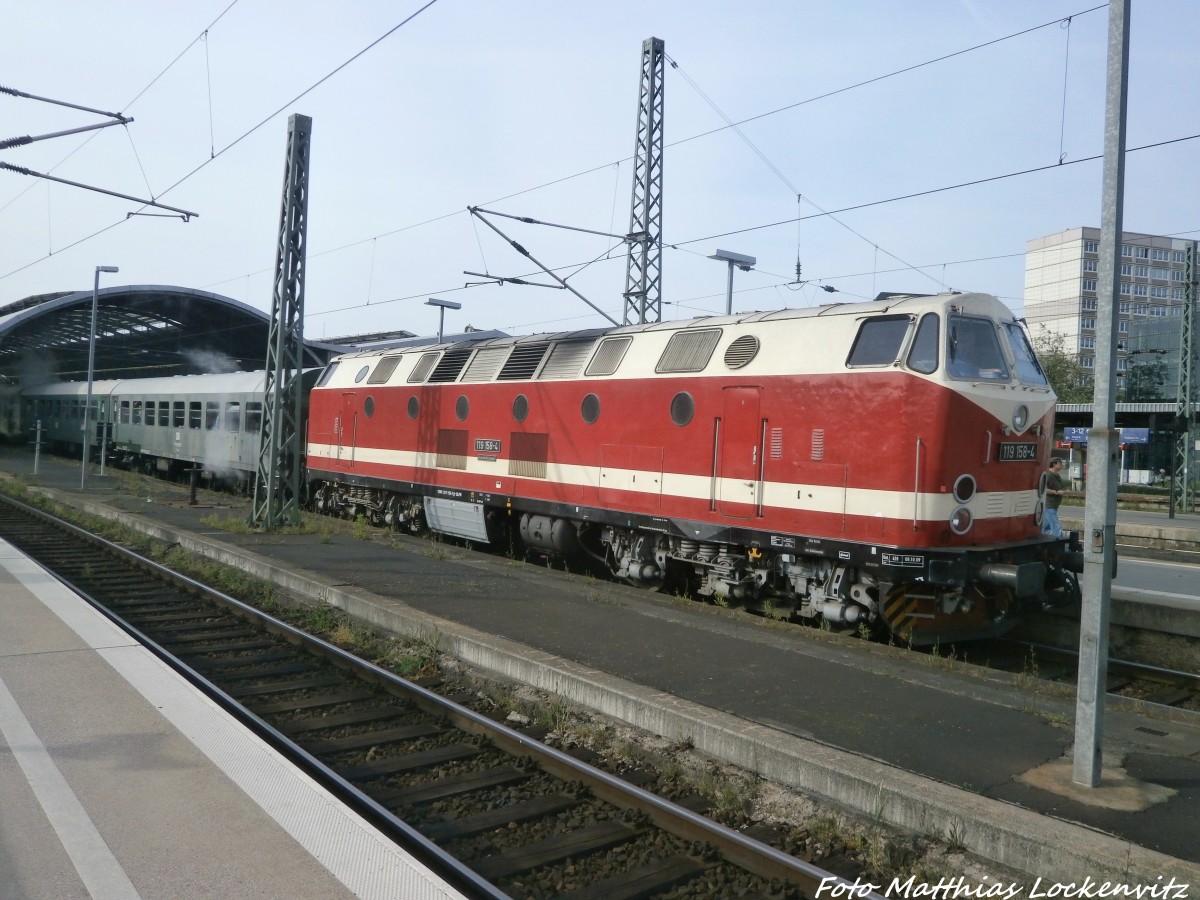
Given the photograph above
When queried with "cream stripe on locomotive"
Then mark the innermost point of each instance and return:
(904, 505)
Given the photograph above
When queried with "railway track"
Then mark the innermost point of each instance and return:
(1157, 685)
(491, 808)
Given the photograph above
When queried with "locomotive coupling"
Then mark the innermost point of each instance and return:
(1025, 579)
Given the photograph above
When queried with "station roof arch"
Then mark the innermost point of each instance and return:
(141, 331)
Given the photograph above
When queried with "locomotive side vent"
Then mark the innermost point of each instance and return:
(423, 367)
(451, 365)
(776, 443)
(452, 448)
(688, 351)
(486, 364)
(741, 351)
(609, 355)
(384, 370)
(818, 443)
(529, 452)
(566, 359)
(524, 361)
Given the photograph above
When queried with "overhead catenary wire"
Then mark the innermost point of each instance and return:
(543, 185)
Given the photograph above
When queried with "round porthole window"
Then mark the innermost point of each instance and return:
(369, 406)
(362, 373)
(521, 408)
(414, 407)
(590, 409)
(462, 407)
(683, 407)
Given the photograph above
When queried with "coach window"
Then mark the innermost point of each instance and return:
(177, 414)
(149, 412)
(879, 341)
(164, 413)
(124, 412)
(923, 356)
(137, 412)
(253, 418)
(194, 417)
(233, 417)
(212, 415)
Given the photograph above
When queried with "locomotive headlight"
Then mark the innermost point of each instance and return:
(964, 488)
(961, 520)
(1020, 417)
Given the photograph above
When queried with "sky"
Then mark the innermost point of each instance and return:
(529, 108)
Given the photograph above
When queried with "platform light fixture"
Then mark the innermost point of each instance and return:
(442, 306)
(87, 407)
(739, 260)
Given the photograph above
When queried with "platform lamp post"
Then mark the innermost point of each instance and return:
(87, 407)
(442, 306)
(741, 261)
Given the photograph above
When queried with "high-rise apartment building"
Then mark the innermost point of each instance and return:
(1061, 275)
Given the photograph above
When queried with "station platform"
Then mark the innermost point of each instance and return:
(978, 757)
(119, 781)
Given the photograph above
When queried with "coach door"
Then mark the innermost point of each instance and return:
(347, 431)
(739, 452)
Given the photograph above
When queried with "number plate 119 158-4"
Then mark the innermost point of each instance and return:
(1018, 452)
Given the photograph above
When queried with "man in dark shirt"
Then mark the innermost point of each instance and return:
(1055, 489)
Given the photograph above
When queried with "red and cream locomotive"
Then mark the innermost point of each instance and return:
(873, 463)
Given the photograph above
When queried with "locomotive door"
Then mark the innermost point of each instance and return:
(740, 453)
(347, 426)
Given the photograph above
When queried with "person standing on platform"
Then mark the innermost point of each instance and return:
(1055, 489)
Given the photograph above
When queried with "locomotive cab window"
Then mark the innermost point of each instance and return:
(879, 341)
(973, 350)
(923, 355)
(1028, 369)
(327, 374)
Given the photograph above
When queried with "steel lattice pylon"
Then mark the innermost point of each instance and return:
(277, 485)
(1184, 497)
(643, 273)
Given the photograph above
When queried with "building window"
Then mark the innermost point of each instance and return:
(1159, 274)
(1091, 265)
(1087, 343)
(1088, 362)
(1089, 284)
(1160, 253)
(1177, 310)
(1123, 326)
(1158, 312)
(1141, 290)
(1141, 252)
(1088, 303)
(1126, 250)
(1177, 293)
(1126, 288)
(1178, 256)
(1125, 306)
(1141, 309)
(1088, 323)
(1091, 246)
(1121, 364)
(1178, 275)
(1158, 291)
(1127, 269)
(1142, 271)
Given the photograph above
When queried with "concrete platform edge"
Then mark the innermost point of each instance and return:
(992, 829)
